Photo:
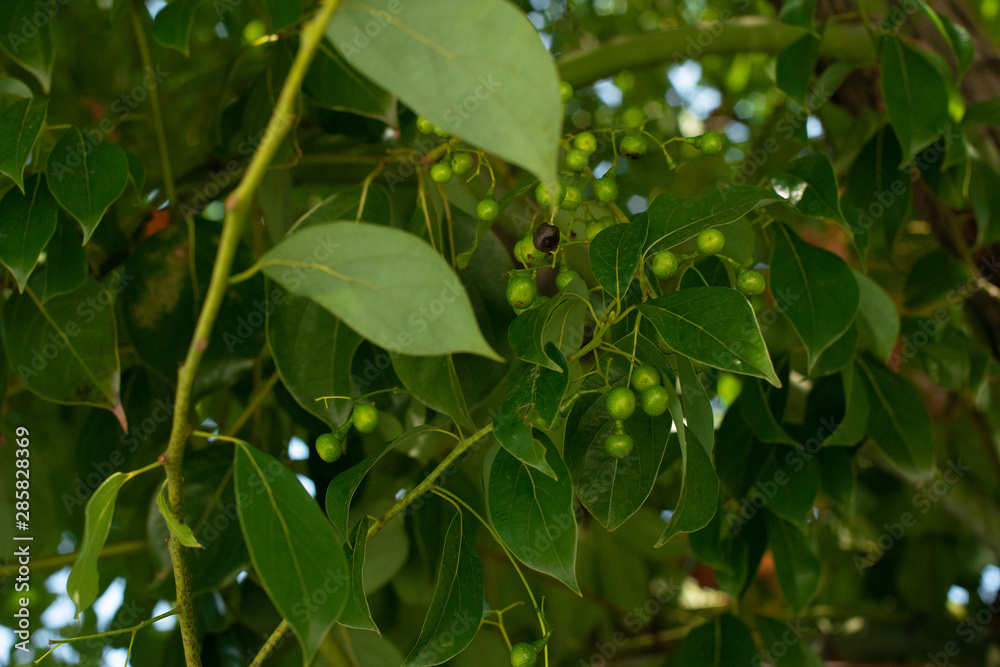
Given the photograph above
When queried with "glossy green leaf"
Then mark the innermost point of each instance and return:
(334, 84)
(356, 612)
(172, 25)
(65, 260)
(789, 482)
(533, 513)
(86, 177)
(27, 222)
(558, 321)
(878, 318)
(795, 562)
(457, 607)
(673, 220)
(434, 382)
(697, 405)
(897, 418)
(877, 194)
(812, 187)
(840, 353)
(838, 477)
(358, 204)
(20, 125)
(537, 392)
(181, 530)
(958, 38)
(794, 66)
(798, 13)
(65, 350)
(83, 583)
(342, 488)
(24, 41)
(699, 497)
(722, 642)
(915, 96)
(491, 83)
(934, 277)
(784, 645)
(386, 284)
(756, 412)
(613, 489)
(713, 325)
(818, 288)
(292, 546)
(615, 254)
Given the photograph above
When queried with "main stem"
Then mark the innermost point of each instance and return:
(237, 209)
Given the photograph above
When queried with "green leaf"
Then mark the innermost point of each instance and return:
(434, 382)
(897, 418)
(65, 260)
(615, 254)
(283, 12)
(27, 222)
(358, 204)
(533, 512)
(697, 405)
(136, 175)
(958, 38)
(722, 642)
(839, 404)
(84, 581)
(181, 530)
(794, 67)
(334, 84)
(292, 547)
(756, 412)
(699, 497)
(491, 83)
(915, 96)
(20, 125)
(713, 325)
(65, 350)
(673, 221)
(795, 562)
(934, 277)
(558, 321)
(457, 607)
(342, 488)
(172, 25)
(838, 478)
(878, 318)
(386, 284)
(784, 645)
(818, 287)
(798, 13)
(789, 483)
(840, 353)
(24, 41)
(356, 612)
(877, 194)
(613, 489)
(86, 177)
(812, 187)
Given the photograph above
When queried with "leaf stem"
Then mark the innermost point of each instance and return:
(271, 643)
(253, 404)
(56, 643)
(56, 562)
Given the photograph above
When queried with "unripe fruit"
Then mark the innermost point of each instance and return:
(633, 146)
(619, 445)
(573, 198)
(633, 117)
(606, 189)
(710, 241)
(597, 226)
(620, 402)
(645, 377)
(586, 142)
(441, 173)
(654, 400)
(365, 417)
(523, 655)
(711, 143)
(663, 264)
(546, 237)
(544, 197)
(329, 447)
(488, 210)
(565, 92)
(565, 277)
(461, 163)
(521, 290)
(751, 283)
(424, 125)
(577, 159)
(441, 133)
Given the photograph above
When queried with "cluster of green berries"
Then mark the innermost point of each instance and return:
(621, 403)
(330, 446)
(459, 165)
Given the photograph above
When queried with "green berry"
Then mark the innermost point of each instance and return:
(586, 142)
(710, 241)
(519, 252)
(564, 278)
(565, 92)
(619, 445)
(521, 290)
(598, 226)
(523, 655)
(544, 197)
(365, 417)
(606, 189)
(441, 133)
(461, 163)
(633, 146)
(329, 447)
(424, 125)
(620, 402)
(751, 283)
(488, 210)
(711, 143)
(573, 198)
(663, 264)
(532, 255)
(441, 173)
(645, 377)
(577, 159)
(654, 400)
(633, 117)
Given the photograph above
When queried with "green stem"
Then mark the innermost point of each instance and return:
(56, 643)
(271, 642)
(746, 34)
(56, 562)
(237, 208)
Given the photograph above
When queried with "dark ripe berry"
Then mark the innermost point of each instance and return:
(605, 189)
(565, 278)
(461, 163)
(586, 142)
(546, 237)
(521, 290)
(572, 200)
(620, 402)
(565, 92)
(441, 173)
(488, 210)
(365, 417)
(710, 241)
(619, 445)
(329, 447)
(711, 143)
(751, 283)
(663, 264)
(645, 377)
(577, 159)
(523, 655)
(654, 400)
(633, 146)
